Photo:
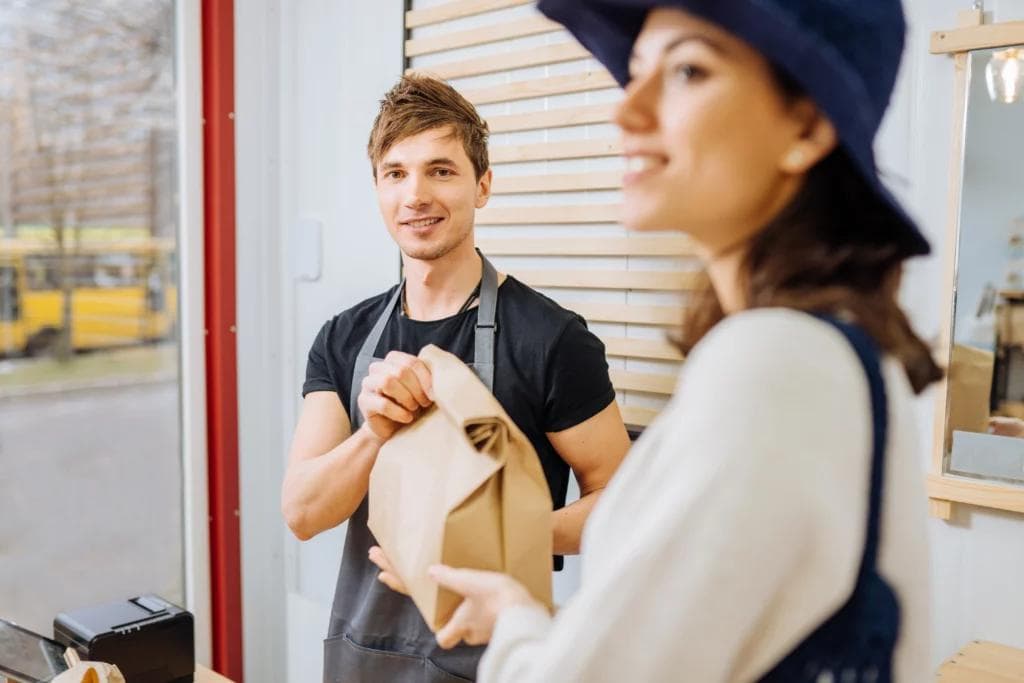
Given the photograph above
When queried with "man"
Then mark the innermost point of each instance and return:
(428, 150)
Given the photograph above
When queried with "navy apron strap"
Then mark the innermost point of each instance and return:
(869, 356)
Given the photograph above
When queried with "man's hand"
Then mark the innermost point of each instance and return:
(394, 392)
(388, 576)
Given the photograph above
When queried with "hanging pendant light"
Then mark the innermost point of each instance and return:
(1004, 75)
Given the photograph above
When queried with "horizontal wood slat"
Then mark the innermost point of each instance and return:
(611, 279)
(456, 10)
(505, 30)
(551, 118)
(543, 151)
(652, 349)
(541, 56)
(556, 215)
(587, 246)
(636, 416)
(563, 182)
(649, 383)
(542, 87)
(627, 313)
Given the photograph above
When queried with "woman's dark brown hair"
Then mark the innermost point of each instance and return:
(831, 250)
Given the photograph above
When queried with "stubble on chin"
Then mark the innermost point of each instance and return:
(432, 252)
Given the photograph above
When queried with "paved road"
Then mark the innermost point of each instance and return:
(90, 500)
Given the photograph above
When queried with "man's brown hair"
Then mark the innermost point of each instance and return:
(418, 103)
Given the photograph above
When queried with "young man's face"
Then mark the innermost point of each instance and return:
(428, 192)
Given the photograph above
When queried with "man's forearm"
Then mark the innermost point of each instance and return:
(568, 524)
(320, 493)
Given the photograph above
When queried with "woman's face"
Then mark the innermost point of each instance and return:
(714, 148)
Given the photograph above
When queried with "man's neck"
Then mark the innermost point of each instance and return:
(438, 288)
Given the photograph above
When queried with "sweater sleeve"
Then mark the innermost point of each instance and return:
(720, 546)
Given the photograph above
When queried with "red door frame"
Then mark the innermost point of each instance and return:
(218, 72)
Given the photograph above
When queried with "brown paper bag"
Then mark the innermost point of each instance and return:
(461, 486)
(970, 387)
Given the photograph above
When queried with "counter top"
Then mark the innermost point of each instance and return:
(204, 675)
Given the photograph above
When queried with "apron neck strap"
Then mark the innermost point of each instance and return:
(486, 327)
(486, 324)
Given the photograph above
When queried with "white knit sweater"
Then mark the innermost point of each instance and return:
(736, 524)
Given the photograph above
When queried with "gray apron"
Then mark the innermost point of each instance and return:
(377, 635)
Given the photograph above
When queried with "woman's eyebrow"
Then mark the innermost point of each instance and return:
(681, 39)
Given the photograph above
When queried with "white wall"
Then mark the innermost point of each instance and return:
(978, 557)
(309, 75)
(261, 381)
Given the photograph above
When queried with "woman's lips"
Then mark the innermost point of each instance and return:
(640, 166)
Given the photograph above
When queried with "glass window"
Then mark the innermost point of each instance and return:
(9, 301)
(91, 480)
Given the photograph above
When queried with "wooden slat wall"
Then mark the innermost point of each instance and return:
(553, 219)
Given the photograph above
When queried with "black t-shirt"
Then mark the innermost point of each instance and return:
(550, 371)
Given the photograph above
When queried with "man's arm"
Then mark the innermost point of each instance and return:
(328, 471)
(593, 449)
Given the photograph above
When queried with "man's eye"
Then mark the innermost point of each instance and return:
(393, 175)
(443, 172)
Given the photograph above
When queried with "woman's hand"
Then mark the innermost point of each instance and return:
(486, 595)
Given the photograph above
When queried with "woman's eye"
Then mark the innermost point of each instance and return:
(688, 72)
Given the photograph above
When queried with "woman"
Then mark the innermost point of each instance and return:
(770, 524)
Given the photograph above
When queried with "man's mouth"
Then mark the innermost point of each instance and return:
(422, 222)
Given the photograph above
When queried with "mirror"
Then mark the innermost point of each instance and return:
(984, 434)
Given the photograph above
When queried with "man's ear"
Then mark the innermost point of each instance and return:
(483, 189)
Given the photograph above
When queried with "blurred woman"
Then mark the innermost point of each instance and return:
(770, 524)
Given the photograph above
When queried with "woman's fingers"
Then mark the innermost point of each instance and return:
(452, 633)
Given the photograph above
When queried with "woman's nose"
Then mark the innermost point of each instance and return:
(636, 111)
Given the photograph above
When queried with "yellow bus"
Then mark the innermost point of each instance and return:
(121, 294)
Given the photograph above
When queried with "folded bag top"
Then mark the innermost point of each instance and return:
(461, 486)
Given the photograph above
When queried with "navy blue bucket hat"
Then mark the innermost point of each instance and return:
(844, 54)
